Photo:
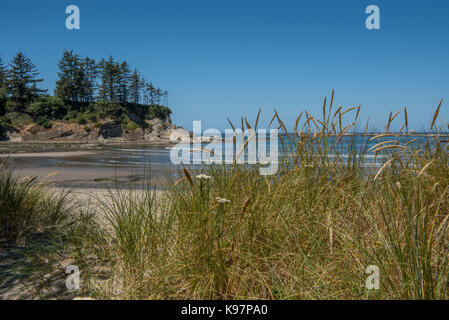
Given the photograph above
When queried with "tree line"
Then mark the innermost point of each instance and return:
(78, 78)
(85, 88)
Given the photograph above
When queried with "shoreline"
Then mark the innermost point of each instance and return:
(87, 143)
(61, 154)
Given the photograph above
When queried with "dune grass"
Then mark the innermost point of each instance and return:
(27, 207)
(37, 226)
(308, 232)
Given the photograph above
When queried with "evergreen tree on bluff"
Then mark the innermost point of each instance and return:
(135, 87)
(144, 89)
(151, 89)
(22, 82)
(3, 88)
(67, 87)
(3, 76)
(88, 79)
(77, 78)
(123, 82)
(110, 76)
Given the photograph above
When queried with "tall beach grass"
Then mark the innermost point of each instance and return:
(308, 232)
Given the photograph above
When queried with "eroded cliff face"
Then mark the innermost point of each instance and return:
(157, 131)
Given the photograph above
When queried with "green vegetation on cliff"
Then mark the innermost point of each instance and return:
(86, 92)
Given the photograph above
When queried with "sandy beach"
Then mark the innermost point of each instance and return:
(73, 167)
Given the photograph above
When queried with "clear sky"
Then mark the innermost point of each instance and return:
(221, 59)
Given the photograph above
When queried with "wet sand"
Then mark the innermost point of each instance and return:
(95, 178)
(84, 169)
(47, 154)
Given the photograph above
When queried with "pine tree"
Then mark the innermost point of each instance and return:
(3, 88)
(68, 86)
(3, 75)
(123, 80)
(151, 93)
(144, 86)
(109, 71)
(77, 79)
(165, 95)
(22, 82)
(134, 87)
(157, 96)
(89, 85)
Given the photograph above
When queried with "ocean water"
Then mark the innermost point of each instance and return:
(125, 155)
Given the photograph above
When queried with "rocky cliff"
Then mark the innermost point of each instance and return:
(155, 131)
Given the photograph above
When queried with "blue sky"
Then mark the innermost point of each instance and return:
(221, 59)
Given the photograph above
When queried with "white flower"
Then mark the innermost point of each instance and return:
(222, 200)
(203, 176)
